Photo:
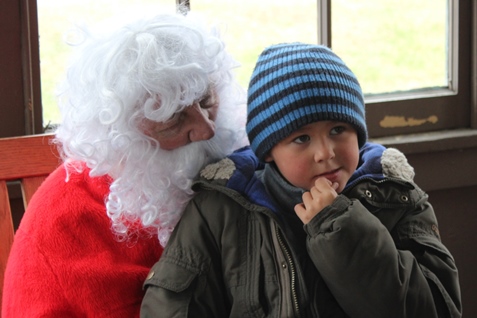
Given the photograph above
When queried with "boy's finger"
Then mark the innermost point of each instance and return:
(300, 208)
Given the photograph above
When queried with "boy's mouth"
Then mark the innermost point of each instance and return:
(331, 175)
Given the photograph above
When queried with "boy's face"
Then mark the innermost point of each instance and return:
(322, 149)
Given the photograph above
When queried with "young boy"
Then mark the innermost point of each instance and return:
(316, 222)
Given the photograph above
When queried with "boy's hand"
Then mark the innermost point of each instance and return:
(319, 196)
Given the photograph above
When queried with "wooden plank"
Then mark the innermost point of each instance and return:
(6, 231)
(27, 156)
(28, 159)
(29, 186)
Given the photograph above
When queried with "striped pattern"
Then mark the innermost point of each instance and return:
(295, 84)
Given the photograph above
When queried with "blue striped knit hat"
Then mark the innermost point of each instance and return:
(296, 84)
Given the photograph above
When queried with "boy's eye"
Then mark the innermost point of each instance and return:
(337, 130)
(301, 139)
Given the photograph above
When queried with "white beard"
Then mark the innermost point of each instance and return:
(153, 186)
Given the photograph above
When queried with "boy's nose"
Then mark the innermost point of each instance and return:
(323, 151)
(201, 126)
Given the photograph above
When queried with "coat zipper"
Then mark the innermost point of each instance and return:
(232, 194)
(292, 270)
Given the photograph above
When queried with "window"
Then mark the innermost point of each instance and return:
(246, 26)
(441, 102)
(394, 45)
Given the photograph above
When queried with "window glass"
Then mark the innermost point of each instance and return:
(56, 17)
(392, 45)
(248, 26)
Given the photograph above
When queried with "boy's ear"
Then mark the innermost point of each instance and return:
(268, 158)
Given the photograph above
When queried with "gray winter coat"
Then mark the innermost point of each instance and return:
(375, 252)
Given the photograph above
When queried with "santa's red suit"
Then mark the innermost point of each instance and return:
(65, 260)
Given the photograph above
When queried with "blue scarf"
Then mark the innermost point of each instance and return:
(260, 182)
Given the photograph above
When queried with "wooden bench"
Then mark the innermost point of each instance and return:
(27, 160)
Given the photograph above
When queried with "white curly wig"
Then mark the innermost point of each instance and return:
(111, 86)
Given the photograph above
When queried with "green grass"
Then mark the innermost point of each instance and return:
(390, 45)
